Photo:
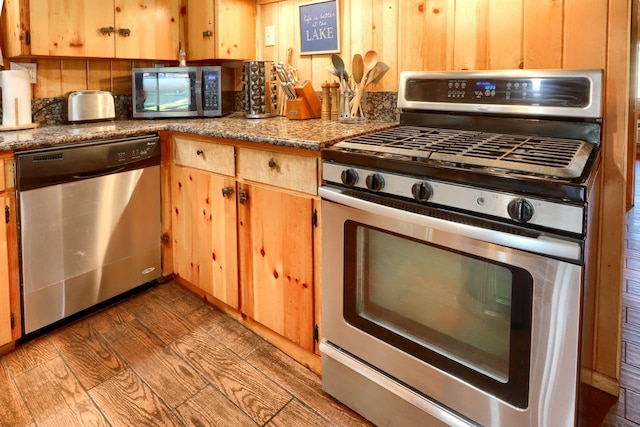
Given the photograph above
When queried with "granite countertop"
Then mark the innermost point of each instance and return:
(313, 134)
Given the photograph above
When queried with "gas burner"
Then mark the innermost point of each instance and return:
(528, 154)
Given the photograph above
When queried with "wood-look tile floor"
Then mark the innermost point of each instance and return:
(625, 411)
(163, 357)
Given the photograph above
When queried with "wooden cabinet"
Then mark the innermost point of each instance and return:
(128, 29)
(70, 28)
(9, 286)
(6, 202)
(243, 220)
(222, 29)
(276, 258)
(291, 171)
(147, 29)
(276, 241)
(204, 216)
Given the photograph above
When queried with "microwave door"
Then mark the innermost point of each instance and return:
(145, 94)
(165, 92)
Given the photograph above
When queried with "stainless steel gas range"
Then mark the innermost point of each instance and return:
(456, 261)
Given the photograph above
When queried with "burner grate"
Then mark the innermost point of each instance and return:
(532, 154)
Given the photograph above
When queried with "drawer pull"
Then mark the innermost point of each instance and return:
(107, 30)
(227, 191)
(272, 164)
(199, 153)
(207, 33)
(242, 196)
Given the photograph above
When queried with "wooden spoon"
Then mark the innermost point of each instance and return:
(370, 61)
(357, 68)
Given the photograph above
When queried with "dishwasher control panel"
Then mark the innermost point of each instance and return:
(133, 151)
(78, 161)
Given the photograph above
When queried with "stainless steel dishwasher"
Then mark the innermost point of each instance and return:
(89, 225)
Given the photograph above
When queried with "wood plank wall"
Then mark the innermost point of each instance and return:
(448, 35)
(497, 34)
(59, 76)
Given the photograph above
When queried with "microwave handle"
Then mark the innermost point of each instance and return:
(199, 92)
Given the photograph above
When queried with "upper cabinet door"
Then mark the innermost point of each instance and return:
(147, 29)
(128, 29)
(236, 24)
(221, 29)
(72, 28)
(200, 30)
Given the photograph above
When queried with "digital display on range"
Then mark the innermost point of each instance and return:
(485, 85)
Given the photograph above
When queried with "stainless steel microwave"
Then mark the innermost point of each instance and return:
(203, 91)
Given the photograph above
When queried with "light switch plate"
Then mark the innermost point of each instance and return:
(269, 35)
(31, 68)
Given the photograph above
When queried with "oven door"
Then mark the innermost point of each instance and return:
(475, 325)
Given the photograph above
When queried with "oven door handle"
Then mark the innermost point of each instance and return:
(544, 245)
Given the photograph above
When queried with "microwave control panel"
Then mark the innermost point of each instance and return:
(211, 89)
(217, 90)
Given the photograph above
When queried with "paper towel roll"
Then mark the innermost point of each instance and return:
(16, 98)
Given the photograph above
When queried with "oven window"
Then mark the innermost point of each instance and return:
(466, 315)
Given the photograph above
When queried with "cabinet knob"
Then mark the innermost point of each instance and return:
(199, 153)
(107, 30)
(243, 196)
(124, 32)
(227, 191)
(207, 33)
(272, 164)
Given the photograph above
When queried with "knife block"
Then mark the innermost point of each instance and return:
(306, 106)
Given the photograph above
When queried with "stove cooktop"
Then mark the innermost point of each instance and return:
(520, 146)
(528, 132)
(539, 166)
(534, 155)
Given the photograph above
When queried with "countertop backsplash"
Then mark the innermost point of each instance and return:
(51, 111)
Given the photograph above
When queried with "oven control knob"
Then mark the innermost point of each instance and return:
(422, 191)
(520, 210)
(349, 177)
(375, 182)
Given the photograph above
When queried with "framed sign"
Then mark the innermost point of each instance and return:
(319, 27)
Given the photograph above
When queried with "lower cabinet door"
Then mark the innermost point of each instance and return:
(276, 261)
(204, 218)
(5, 272)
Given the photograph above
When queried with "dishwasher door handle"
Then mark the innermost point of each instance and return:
(95, 174)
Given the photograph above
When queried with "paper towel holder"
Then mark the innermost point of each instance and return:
(16, 100)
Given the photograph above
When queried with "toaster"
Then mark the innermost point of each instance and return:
(89, 106)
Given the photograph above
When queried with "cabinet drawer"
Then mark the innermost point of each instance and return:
(204, 155)
(280, 169)
(6, 173)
